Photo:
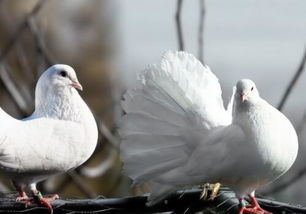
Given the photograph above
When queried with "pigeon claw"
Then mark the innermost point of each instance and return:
(27, 201)
(210, 191)
(45, 201)
(253, 208)
(24, 198)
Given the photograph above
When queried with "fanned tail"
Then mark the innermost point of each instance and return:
(163, 116)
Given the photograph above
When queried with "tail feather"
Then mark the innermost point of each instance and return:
(142, 103)
(134, 123)
(141, 143)
(146, 156)
(156, 167)
(175, 104)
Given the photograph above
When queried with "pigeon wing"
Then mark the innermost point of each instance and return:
(40, 144)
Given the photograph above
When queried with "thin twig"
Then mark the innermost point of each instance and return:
(201, 31)
(284, 185)
(293, 82)
(20, 29)
(179, 25)
(13, 91)
(41, 42)
(105, 132)
(101, 168)
(81, 184)
(18, 49)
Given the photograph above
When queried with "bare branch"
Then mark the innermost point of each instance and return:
(284, 185)
(81, 184)
(20, 29)
(101, 168)
(105, 132)
(19, 50)
(293, 82)
(13, 91)
(201, 31)
(179, 25)
(40, 42)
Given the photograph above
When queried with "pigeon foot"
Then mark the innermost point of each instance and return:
(253, 208)
(24, 198)
(37, 198)
(45, 201)
(210, 191)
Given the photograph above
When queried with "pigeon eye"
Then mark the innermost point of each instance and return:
(252, 88)
(63, 73)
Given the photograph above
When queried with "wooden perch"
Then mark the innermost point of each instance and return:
(182, 202)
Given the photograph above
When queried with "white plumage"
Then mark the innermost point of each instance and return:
(176, 132)
(60, 135)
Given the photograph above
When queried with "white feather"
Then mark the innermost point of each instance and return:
(176, 132)
(60, 135)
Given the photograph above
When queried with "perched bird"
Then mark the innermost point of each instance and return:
(60, 135)
(176, 133)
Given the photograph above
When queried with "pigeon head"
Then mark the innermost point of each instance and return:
(56, 90)
(246, 91)
(59, 77)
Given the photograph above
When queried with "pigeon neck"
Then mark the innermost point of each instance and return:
(59, 104)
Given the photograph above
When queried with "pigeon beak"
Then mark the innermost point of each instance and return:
(243, 97)
(76, 85)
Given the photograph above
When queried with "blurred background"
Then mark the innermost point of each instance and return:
(109, 41)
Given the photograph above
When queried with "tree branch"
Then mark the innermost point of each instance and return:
(179, 25)
(20, 29)
(293, 82)
(201, 31)
(284, 185)
(40, 42)
(10, 87)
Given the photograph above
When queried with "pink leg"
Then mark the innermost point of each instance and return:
(257, 206)
(253, 208)
(44, 201)
(23, 197)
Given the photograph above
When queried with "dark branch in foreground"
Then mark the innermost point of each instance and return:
(181, 202)
(293, 82)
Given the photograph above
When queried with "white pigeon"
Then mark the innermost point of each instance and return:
(176, 132)
(59, 136)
